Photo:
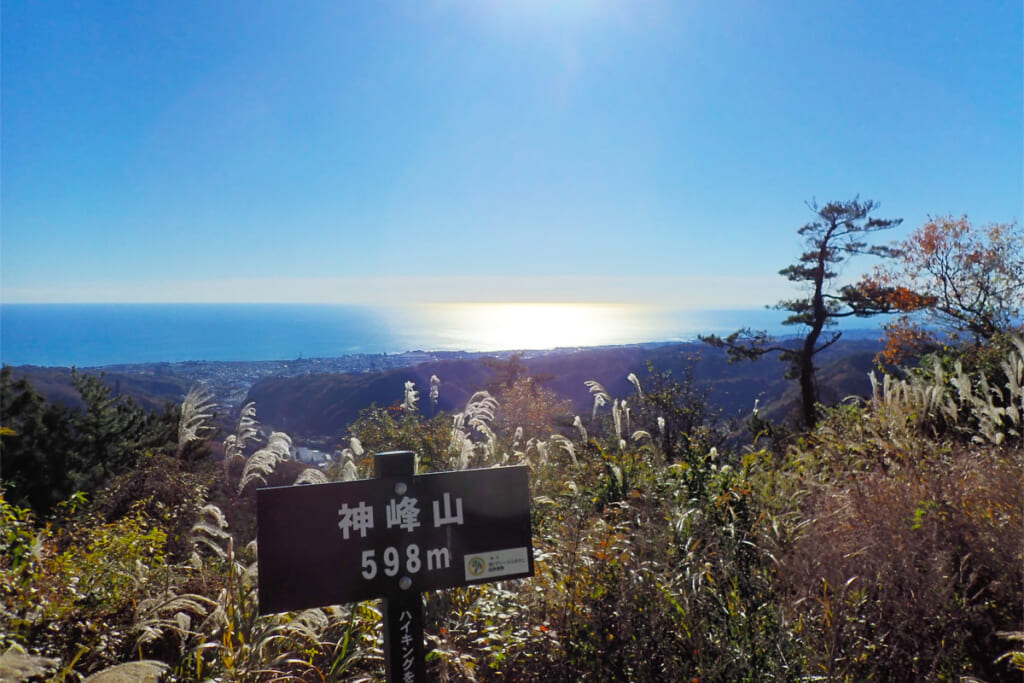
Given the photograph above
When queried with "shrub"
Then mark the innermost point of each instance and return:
(907, 562)
(83, 584)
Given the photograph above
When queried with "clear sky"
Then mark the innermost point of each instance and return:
(449, 150)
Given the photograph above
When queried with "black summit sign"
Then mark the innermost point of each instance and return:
(345, 542)
(394, 537)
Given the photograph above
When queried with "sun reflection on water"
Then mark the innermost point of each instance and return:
(501, 326)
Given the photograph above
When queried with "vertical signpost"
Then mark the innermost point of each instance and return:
(392, 537)
(404, 650)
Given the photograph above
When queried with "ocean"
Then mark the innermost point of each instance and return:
(95, 335)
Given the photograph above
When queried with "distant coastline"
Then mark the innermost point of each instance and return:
(104, 335)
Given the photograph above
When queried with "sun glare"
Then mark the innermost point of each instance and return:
(503, 326)
(536, 14)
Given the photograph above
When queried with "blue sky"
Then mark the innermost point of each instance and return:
(656, 152)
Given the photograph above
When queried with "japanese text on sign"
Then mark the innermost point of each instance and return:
(408, 654)
(403, 514)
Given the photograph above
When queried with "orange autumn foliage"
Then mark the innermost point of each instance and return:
(967, 280)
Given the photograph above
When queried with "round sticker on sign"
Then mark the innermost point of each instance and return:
(476, 566)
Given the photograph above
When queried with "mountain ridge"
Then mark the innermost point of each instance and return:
(311, 404)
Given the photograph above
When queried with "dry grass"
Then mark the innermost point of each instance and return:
(908, 572)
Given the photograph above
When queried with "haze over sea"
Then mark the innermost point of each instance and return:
(90, 335)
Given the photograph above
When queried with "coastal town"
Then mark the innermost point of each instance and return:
(230, 381)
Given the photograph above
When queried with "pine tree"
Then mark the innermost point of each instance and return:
(831, 240)
(35, 446)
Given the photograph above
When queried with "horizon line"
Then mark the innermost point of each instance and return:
(400, 304)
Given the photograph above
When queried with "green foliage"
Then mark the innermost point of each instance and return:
(392, 429)
(689, 426)
(113, 431)
(36, 451)
(20, 545)
(105, 566)
(162, 487)
(69, 586)
(50, 452)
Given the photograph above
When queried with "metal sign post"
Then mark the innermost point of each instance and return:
(394, 536)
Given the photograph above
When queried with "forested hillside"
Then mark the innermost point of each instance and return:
(153, 393)
(321, 406)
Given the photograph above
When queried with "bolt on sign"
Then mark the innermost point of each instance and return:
(393, 537)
